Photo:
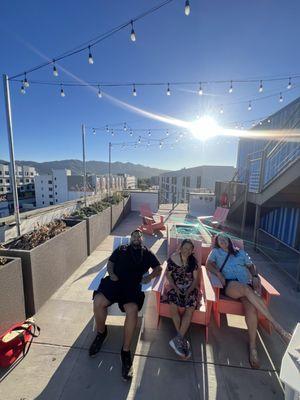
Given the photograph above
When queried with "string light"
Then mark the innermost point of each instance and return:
(167, 133)
(280, 98)
(249, 106)
(94, 131)
(260, 122)
(149, 133)
(261, 88)
(107, 128)
(221, 110)
(131, 133)
(289, 86)
(160, 144)
(231, 88)
(99, 92)
(55, 72)
(139, 140)
(91, 60)
(62, 92)
(26, 83)
(200, 91)
(112, 132)
(125, 127)
(22, 90)
(187, 8)
(168, 90)
(134, 93)
(132, 33)
(269, 121)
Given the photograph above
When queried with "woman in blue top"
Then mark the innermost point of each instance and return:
(240, 280)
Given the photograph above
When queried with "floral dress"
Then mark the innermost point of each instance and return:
(183, 281)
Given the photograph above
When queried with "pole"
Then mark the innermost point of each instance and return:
(109, 168)
(84, 163)
(11, 152)
(247, 175)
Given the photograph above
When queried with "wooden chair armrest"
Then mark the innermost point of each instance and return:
(209, 292)
(215, 281)
(158, 283)
(268, 287)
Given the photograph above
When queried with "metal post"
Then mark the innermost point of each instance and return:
(262, 171)
(84, 163)
(11, 152)
(256, 225)
(109, 168)
(245, 198)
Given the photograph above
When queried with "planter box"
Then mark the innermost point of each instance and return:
(119, 211)
(98, 228)
(46, 267)
(12, 305)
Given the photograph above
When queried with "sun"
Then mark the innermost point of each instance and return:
(205, 128)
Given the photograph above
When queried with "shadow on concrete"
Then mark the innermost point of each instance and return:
(95, 269)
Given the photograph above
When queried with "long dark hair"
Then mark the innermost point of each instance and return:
(192, 261)
(231, 248)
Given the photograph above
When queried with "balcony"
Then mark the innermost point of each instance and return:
(58, 365)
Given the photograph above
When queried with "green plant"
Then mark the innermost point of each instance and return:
(92, 209)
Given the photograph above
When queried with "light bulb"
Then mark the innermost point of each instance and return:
(99, 92)
(280, 98)
(249, 106)
(62, 93)
(289, 86)
(149, 133)
(269, 121)
(132, 33)
(25, 82)
(91, 61)
(231, 88)
(261, 88)
(260, 122)
(168, 91)
(167, 133)
(107, 129)
(160, 145)
(187, 8)
(22, 90)
(125, 127)
(55, 72)
(134, 93)
(139, 141)
(94, 131)
(221, 110)
(112, 132)
(131, 133)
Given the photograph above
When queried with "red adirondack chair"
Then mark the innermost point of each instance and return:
(216, 220)
(151, 225)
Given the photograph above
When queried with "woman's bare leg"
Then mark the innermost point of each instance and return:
(251, 321)
(175, 316)
(237, 290)
(186, 320)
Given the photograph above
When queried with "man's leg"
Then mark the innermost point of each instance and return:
(100, 311)
(131, 310)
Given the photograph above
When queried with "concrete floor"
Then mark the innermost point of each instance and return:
(58, 366)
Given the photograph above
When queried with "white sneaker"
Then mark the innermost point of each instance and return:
(177, 346)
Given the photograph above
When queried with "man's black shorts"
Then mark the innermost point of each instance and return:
(121, 293)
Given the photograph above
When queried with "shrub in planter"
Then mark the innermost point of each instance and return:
(95, 208)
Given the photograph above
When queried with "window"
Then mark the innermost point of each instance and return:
(6, 173)
(168, 179)
(174, 180)
(50, 189)
(42, 196)
(183, 181)
(31, 173)
(1, 189)
(55, 186)
(56, 200)
(50, 182)
(55, 179)
(188, 181)
(198, 184)
(51, 203)
(8, 189)
(20, 172)
(7, 180)
(43, 202)
(41, 181)
(0, 172)
(50, 196)
(55, 193)
(27, 180)
(1, 180)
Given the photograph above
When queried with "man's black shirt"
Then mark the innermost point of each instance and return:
(130, 263)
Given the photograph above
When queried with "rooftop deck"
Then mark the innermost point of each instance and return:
(58, 365)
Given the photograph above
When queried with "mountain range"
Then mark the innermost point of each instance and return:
(93, 167)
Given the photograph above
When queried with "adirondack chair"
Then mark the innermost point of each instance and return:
(150, 225)
(202, 314)
(216, 220)
(226, 305)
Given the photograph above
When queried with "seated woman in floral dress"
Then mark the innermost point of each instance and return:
(240, 280)
(182, 291)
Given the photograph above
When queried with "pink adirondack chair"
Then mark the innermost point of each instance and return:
(202, 314)
(226, 305)
(218, 219)
(150, 225)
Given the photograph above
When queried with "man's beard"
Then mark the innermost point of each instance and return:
(136, 245)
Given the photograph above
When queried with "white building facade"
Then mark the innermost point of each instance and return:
(24, 176)
(175, 186)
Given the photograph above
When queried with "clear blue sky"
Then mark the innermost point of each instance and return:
(219, 40)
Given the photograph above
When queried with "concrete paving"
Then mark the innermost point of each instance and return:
(58, 366)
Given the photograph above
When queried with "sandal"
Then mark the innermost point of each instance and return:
(253, 358)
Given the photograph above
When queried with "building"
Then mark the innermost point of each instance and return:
(130, 182)
(24, 176)
(175, 186)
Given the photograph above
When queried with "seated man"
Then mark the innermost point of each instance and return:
(126, 267)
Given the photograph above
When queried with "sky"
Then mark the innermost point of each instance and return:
(219, 40)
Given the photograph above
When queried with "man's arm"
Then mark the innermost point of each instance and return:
(110, 270)
(156, 271)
